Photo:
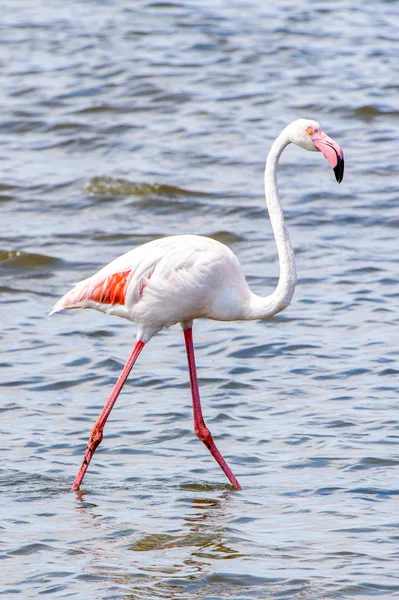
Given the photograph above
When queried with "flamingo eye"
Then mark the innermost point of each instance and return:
(310, 130)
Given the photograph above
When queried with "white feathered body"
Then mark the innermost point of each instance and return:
(167, 281)
(185, 277)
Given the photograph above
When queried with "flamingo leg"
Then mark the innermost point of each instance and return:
(200, 428)
(96, 433)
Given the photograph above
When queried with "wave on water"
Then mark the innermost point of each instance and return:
(124, 187)
(16, 259)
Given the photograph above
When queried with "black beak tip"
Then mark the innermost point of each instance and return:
(339, 169)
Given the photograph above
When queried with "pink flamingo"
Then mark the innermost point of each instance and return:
(185, 277)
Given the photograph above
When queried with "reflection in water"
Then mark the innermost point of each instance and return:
(204, 537)
(204, 534)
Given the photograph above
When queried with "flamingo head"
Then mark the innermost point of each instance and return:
(309, 135)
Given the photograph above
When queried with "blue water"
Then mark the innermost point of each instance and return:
(122, 122)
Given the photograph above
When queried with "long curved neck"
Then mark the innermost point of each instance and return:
(263, 307)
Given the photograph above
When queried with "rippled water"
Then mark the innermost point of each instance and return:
(121, 122)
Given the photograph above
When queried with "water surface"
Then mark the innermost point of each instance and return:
(122, 122)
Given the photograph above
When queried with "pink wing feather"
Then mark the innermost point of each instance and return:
(109, 290)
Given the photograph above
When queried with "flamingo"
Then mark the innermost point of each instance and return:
(181, 278)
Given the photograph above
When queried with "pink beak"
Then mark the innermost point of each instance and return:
(332, 151)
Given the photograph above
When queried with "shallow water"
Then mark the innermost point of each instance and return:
(122, 122)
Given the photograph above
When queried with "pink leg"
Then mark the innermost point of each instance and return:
(96, 434)
(201, 430)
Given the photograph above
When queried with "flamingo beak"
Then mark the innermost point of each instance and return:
(332, 151)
